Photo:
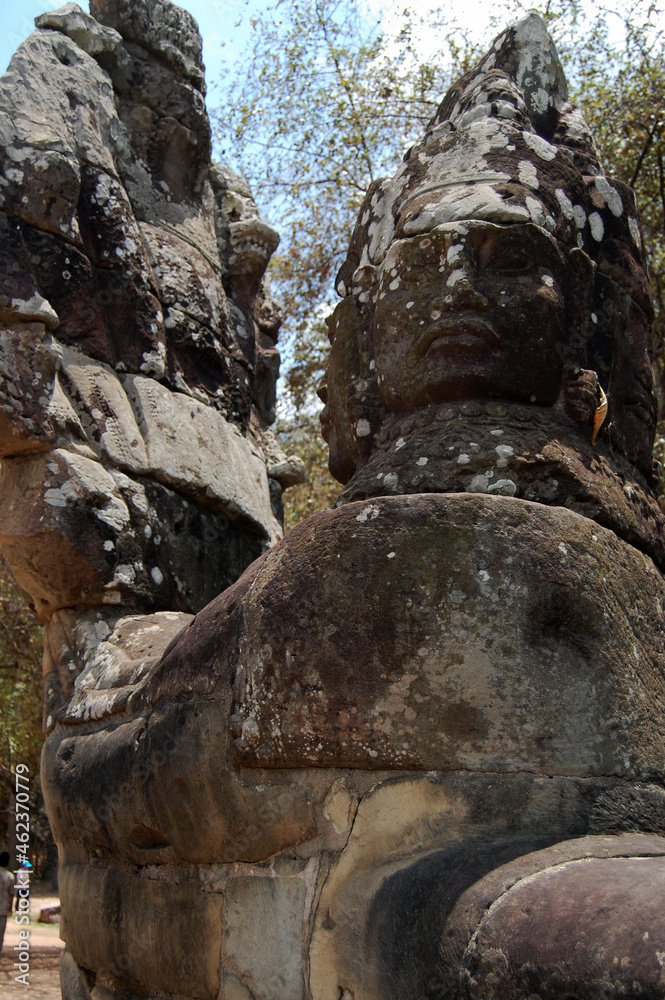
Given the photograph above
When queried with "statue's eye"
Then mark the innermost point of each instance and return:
(509, 259)
(414, 273)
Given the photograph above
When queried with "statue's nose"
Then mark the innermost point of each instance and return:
(322, 390)
(457, 291)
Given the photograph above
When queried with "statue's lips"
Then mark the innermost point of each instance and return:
(326, 423)
(458, 330)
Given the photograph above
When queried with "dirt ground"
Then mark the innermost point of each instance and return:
(45, 948)
(44, 976)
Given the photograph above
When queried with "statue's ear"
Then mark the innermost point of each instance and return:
(579, 387)
(582, 276)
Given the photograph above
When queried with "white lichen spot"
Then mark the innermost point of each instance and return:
(528, 174)
(422, 461)
(597, 227)
(368, 514)
(125, 574)
(565, 204)
(580, 216)
(410, 305)
(548, 280)
(140, 501)
(536, 211)
(115, 513)
(484, 575)
(55, 498)
(497, 432)
(108, 545)
(372, 365)
(394, 285)
(455, 276)
(463, 459)
(478, 484)
(154, 362)
(362, 428)
(391, 555)
(390, 480)
(635, 230)
(594, 318)
(611, 196)
(504, 453)
(562, 548)
(540, 146)
(503, 487)
(157, 575)
(399, 443)
(454, 252)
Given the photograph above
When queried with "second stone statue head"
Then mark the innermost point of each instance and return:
(498, 263)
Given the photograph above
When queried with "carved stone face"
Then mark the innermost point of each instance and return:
(471, 309)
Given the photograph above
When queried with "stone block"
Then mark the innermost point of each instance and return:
(264, 918)
(83, 29)
(193, 449)
(160, 934)
(49, 125)
(78, 535)
(94, 661)
(75, 983)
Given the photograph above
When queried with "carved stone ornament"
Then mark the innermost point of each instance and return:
(414, 749)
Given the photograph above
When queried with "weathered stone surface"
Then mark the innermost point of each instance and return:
(584, 923)
(74, 981)
(116, 233)
(520, 451)
(497, 282)
(76, 534)
(426, 858)
(93, 662)
(262, 941)
(83, 29)
(50, 125)
(542, 683)
(462, 654)
(186, 963)
(192, 448)
(167, 31)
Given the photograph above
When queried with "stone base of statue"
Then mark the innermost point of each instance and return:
(326, 787)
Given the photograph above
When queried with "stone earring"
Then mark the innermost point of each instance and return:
(600, 413)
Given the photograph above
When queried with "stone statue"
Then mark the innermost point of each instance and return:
(499, 276)
(415, 750)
